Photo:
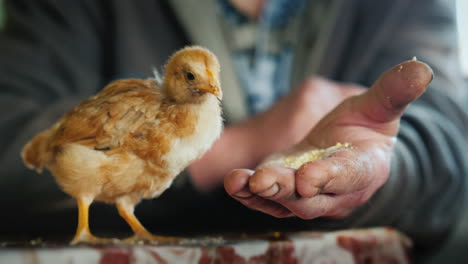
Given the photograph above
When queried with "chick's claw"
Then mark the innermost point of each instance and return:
(87, 238)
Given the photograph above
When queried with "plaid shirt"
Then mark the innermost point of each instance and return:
(263, 64)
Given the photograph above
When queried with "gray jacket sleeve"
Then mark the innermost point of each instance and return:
(48, 63)
(424, 194)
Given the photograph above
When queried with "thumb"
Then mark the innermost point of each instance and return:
(390, 95)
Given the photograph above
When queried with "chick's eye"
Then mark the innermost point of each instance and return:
(190, 76)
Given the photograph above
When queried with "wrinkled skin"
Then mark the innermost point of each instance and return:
(335, 186)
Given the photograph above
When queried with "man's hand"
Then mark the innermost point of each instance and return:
(245, 144)
(337, 184)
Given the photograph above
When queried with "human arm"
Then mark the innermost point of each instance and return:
(284, 124)
(336, 184)
(428, 174)
(428, 165)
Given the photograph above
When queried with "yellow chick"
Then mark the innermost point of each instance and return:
(133, 138)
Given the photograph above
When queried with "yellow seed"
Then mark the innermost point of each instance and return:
(344, 145)
(296, 161)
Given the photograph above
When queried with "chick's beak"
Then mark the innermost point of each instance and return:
(213, 89)
(213, 86)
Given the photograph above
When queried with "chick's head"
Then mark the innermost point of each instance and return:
(191, 75)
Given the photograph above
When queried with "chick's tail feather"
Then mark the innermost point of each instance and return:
(35, 153)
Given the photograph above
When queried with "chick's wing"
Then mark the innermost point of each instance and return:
(122, 111)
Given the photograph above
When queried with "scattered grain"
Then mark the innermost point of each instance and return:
(296, 161)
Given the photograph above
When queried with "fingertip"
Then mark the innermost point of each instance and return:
(309, 180)
(388, 98)
(262, 179)
(236, 181)
(270, 192)
(415, 71)
(405, 82)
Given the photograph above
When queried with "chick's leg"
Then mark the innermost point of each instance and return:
(83, 235)
(126, 210)
(82, 231)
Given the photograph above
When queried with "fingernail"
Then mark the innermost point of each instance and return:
(272, 191)
(244, 193)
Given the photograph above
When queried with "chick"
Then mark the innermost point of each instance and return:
(133, 138)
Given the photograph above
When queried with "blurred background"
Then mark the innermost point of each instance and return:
(1, 14)
(462, 10)
(457, 248)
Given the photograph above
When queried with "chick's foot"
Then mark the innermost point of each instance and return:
(88, 238)
(83, 234)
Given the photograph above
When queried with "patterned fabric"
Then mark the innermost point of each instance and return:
(264, 65)
(376, 245)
